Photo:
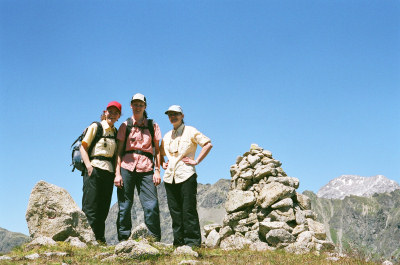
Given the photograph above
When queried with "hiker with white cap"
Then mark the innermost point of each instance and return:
(138, 166)
(180, 178)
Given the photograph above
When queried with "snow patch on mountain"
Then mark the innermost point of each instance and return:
(347, 185)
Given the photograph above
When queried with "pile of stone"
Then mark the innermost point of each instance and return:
(264, 211)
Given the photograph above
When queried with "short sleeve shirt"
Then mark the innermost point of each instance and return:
(138, 139)
(178, 144)
(104, 147)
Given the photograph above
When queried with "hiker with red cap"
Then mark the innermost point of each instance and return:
(98, 178)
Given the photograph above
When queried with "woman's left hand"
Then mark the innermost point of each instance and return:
(156, 178)
(189, 161)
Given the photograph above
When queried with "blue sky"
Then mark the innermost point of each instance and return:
(315, 82)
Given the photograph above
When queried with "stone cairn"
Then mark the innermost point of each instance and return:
(264, 211)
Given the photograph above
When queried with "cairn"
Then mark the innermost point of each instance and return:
(264, 211)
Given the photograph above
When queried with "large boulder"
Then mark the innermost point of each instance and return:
(53, 213)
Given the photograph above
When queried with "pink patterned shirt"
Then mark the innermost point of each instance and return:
(138, 139)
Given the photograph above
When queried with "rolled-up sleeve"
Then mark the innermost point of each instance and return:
(90, 134)
(200, 138)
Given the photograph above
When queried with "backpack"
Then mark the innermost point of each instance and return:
(129, 127)
(77, 161)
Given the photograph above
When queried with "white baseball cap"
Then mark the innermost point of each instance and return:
(174, 108)
(139, 96)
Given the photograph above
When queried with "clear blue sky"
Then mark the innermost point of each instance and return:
(315, 82)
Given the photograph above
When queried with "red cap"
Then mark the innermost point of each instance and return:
(115, 104)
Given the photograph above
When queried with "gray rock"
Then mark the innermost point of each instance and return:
(252, 236)
(238, 159)
(288, 202)
(265, 227)
(233, 218)
(252, 219)
(299, 229)
(42, 241)
(253, 160)
(5, 258)
(110, 258)
(186, 251)
(236, 241)
(300, 217)
(256, 147)
(53, 213)
(282, 215)
(225, 231)
(318, 228)
(238, 200)
(267, 153)
(208, 228)
(242, 184)
(276, 236)
(189, 262)
(288, 181)
(272, 192)
(234, 169)
(75, 242)
(243, 164)
(33, 256)
(59, 254)
(125, 247)
(261, 246)
(213, 239)
(247, 174)
(142, 249)
(139, 231)
(241, 229)
(264, 171)
(297, 248)
(304, 201)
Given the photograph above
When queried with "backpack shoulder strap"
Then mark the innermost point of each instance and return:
(97, 137)
(151, 129)
(129, 126)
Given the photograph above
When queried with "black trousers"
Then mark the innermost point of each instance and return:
(182, 204)
(96, 199)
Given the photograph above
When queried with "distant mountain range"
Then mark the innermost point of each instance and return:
(9, 240)
(347, 185)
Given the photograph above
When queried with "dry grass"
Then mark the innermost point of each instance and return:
(206, 256)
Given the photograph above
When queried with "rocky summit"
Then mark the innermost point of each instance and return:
(264, 211)
(52, 213)
(347, 185)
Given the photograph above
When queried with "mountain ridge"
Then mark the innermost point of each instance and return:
(346, 185)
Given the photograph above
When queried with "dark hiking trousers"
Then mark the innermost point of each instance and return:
(147, 192)
(182, 204)
(96, 199)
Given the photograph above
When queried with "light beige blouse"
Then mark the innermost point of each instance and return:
(178, 144)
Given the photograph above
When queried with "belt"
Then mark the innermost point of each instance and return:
(140, 152)
(102, 158)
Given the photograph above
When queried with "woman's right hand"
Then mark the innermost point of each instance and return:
(118, 182)
(89, 170)
(165, 165)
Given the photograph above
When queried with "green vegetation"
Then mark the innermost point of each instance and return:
(333, 235)
(94, 254)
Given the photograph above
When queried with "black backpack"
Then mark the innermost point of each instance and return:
(77, 161)
(129, 127)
